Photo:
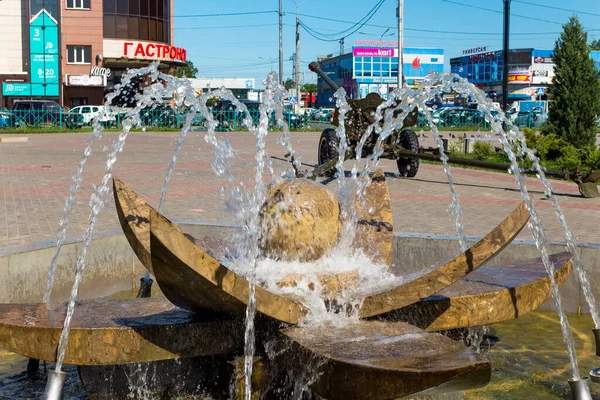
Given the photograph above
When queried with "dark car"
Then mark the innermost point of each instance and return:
(158, 116)
(42, 113)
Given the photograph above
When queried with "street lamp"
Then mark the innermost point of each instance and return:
(270, 59)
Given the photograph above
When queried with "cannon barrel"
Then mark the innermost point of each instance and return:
(316, 68)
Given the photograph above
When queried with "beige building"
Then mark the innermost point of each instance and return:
(97, 41)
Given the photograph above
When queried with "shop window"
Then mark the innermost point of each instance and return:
(153, 12)
(78, 4)
(134, 28)
(160, 8)
(122, 7)
(160, 33)
(79, 54)
(152, 33)
(109, 26)
(144, 28)
(121, 25)
(109, 6)
(144, 10)
(134, 7)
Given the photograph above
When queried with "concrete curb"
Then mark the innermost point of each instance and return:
(21, 139)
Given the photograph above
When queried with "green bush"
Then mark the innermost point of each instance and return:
(570, 159)
(482, 150)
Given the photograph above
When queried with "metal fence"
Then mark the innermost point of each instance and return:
(233, 120)
(151, 118)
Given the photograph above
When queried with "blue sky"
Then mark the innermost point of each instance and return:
(242, 46)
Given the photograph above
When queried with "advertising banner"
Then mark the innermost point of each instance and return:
(44, 55)
(86, 80)
(16, 89)
(374, 52)
(519, 77)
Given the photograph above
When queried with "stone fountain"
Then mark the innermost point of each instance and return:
(191, 340)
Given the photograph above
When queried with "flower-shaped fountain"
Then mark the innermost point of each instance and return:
(320, 329)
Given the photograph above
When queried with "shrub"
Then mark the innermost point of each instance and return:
(570, 158)
(482, 150)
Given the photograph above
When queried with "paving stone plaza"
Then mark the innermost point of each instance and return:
(37, 174)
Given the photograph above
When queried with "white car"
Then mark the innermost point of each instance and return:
(89, 112)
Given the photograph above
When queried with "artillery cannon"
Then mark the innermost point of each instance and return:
(357, 120)
(403, 146)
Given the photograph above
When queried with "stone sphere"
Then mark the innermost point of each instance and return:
(300, 220)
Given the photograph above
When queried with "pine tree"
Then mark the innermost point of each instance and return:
(575, 90)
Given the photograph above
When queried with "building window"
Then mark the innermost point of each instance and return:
(78, 4)
(151, 19)
(79, 54)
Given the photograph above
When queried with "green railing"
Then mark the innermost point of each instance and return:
(228, 120)
(150, 118)
(456, 118)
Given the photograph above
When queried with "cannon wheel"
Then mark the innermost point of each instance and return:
(328, 148)
(408, 167)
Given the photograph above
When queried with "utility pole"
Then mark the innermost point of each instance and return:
(341, 46)
(400, 42)
(281, 42)
(505, 50)
(297, 63)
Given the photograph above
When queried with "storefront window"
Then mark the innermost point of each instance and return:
(109, 26)
(109, 6)
(122, 31)
(122, 7)
(154, 27)
(152, 33)
(134, 7)
(134, 28)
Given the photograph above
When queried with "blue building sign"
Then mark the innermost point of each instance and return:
(44, 61)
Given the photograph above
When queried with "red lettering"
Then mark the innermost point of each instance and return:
(139, 50)
(183, 54)
(150, 47)
(165, 50)
(126, 46)
(173, 53)
(179, 53)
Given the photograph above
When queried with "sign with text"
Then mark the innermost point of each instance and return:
(374, 52)
(143, 50)
(44, 67)
(16, 89)
(475, 50)
(519, 77)
(86, 80)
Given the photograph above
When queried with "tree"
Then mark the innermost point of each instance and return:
(575, 90)
(189, 71)
(289, 84)
(595, 45)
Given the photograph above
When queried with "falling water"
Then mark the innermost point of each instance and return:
(98, 129)
(509, 140)
(97, 201)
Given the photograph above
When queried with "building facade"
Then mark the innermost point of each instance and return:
(375, 69)
(75, 51)
(530, 72)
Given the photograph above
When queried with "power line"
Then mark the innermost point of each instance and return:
(500, 12)
(557, 8)
(361, 22)
(224, 27)
(225, 14)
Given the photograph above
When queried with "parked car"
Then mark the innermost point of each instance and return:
(6, 120)
(294, 120)
(158, 116)
(42, 113)
(88, 113)
(323, 115)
